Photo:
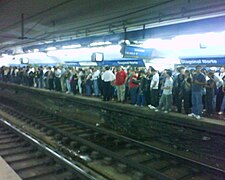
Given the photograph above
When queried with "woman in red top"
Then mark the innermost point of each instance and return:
(133, 86)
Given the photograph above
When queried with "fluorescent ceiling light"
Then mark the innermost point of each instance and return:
(4, 55)
(71, 46)
(50, 49)
(100, 43)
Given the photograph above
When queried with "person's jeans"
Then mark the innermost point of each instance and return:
(80, 86)
(165, 102)
(197, 103)
(40, 82)
(140, 98)
(209, 103)
(223, 105)
(68, 85)
(96, 91)
(133, 94)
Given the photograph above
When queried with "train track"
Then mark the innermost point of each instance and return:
(202, 141)
(32, 159)
(111, 155)
(100, 149)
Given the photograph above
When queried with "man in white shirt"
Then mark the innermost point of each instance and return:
(107, 78)
(57, 79)
(95, 77)
(154, 90)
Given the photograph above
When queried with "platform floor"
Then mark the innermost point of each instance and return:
(220, 121)
(6, 172)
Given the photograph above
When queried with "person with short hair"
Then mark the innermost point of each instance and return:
(154, 89)
(133, 86)
(165, 102)
(121, 78)
(108, 77)
(198, 82)
(141, 92)
(95, 79)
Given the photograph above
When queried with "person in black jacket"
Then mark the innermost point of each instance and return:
(142, 89)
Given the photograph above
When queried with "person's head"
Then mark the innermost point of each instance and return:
(187, 73)
(153, 71)
(222, 69)
(182, 70)
(132, 72)
(210, 74)
(168, 73)
(107, 68)
(142, 72)
(118, 68)
(203, 70)
(198, 69)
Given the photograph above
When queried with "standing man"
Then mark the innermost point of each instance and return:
(121, 78)
(95, 77)
(198, 83)
(165, 101)
(154, 89)
(107, 78)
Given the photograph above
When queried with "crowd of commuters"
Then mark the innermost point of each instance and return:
(184, 91)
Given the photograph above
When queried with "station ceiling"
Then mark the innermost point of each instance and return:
(29, 22)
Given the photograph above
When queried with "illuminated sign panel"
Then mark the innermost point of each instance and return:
(136, 52)
(203, 61)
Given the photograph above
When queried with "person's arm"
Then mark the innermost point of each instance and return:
(201, 82)
(168, 86)
(211, 85)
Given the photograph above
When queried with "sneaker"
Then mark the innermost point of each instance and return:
(142, 106)
(136, 105)
(149, 105)
(156, 110)
(198, 117)
(220, 113)
(165, 112)
(192, 115)
(152, 107)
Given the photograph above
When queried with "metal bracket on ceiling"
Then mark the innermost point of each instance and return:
(110, 29)
(125, 32)
(183, 11)
(86, 32)
(160, 16)
(143, 34)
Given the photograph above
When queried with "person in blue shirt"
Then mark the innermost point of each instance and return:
(198, 83)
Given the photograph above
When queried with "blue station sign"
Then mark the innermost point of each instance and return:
(123, 62)
(202, 61)
(137, 52)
